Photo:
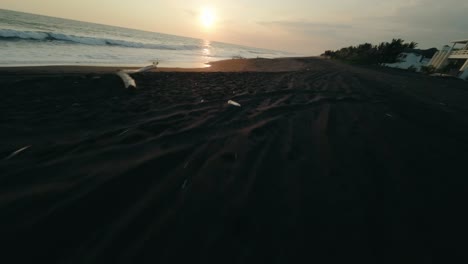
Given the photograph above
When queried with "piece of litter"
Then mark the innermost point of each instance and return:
(144, 69)
(129, 82)
(202, 101)
(149, 67)
(17, 152)
(234, 103)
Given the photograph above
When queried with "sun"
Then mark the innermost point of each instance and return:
(207, 17)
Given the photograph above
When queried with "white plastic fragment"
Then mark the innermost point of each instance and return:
(144, 69)
(149, 67)
(234, 103)
(17, 152)
(129, 82)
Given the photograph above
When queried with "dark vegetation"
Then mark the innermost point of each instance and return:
(367, 53)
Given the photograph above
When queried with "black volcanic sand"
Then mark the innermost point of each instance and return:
(328, 164)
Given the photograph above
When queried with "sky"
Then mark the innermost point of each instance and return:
(306, 27)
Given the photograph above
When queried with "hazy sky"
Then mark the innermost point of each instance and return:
(302, 26)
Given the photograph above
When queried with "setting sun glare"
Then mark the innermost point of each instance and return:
(207, 17)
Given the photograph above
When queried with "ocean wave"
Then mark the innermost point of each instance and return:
(10, 34)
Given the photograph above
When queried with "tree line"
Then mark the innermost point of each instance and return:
(385, 52)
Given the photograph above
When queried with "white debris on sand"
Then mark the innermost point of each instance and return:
(123, 132)
(149, 67)
(17, 152)
(144, 69)
(234, 103)
(184, 184)
(129, 82)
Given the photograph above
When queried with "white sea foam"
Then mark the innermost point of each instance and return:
(33, 35)
(52, 36)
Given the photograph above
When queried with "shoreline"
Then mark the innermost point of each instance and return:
(230, 65)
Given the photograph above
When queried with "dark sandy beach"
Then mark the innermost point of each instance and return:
(322, 163)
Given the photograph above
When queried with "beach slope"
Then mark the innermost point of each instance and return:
(322, 162)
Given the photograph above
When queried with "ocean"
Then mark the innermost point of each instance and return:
(29, 40)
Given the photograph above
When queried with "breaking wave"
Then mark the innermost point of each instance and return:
(10, 34)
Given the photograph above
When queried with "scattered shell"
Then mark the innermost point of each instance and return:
(234, 103)
(17, 152)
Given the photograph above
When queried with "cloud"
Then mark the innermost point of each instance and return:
(190, 12)
(306, 27)
(449, 14)
(429, 22)
(303, 25)
(303, 29)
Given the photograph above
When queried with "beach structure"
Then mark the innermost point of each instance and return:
(456, 55)
(413, 59)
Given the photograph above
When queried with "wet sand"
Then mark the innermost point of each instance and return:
(323, 162)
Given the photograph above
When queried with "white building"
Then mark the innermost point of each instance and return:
(412, 59)
(457, 55)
